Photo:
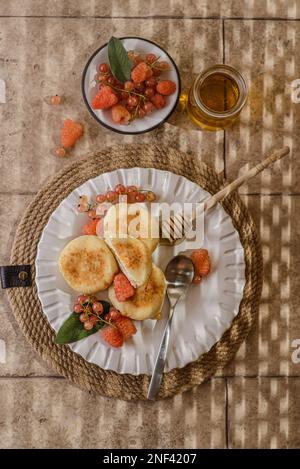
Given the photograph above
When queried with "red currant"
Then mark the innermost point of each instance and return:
(100, 198)
(132, 101)
(78, 308)
(140, 197)
(102, 80)
(88, 325)
(103, 68)
(120, 189)
(124, 95)
(107, 317)
(93, 320)
(164, 66)
(82, 299)
(141, 113)
(128, 85)
(111, 80)
(149, 92)
(156, 72)
(151, 83)
(150, 58)
(111, 196)
(140, 87)
(114, 314)
(83, 317)
(97, 308)
(59, 151)
(149, 107)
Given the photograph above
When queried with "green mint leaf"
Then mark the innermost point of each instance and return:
(118, 60)
(72, 329)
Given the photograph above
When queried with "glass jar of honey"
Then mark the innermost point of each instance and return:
(217, 97)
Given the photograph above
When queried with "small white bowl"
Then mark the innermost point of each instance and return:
(138, 126)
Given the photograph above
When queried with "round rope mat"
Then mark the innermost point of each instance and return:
(27, 308)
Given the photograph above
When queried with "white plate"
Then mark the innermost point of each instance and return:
(90, 87)
(199, 321)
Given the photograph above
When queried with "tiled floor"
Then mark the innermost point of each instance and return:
(43, 47)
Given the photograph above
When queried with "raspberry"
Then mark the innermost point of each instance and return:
(166, 87)
(159, 101)
(141, 72)
(123, 288)
(120, 115)
(201, 261)
(70, 133)
(105, 98)
(112, 336)
(91, 227)
(55, 100)
(125, 326)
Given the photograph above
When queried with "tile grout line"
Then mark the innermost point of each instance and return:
(17, 193)
(226, 414)
(24, 377)
(159, 17)
(257, 376)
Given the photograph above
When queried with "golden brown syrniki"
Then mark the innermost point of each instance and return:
(87, 264)
(148, 299)
(134, 259)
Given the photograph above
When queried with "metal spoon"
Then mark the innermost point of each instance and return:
(179, 275)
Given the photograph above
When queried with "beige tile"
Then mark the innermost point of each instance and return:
(195, 8)
(12, 208)
(41, 64)
(267, 54)
(269, 347)
(264, 413)
(20, 358)
(51, 413)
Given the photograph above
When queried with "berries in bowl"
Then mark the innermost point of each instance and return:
(131, 85)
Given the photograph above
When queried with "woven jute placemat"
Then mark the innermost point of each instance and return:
(27, 307)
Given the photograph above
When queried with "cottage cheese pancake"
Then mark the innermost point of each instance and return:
(148, 299)
(87, 264)
(134, 258)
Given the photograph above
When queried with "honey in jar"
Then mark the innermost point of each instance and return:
(216, 98)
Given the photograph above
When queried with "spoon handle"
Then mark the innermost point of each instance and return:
(159, 366)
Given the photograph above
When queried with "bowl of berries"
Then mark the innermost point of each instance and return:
(131, 85)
